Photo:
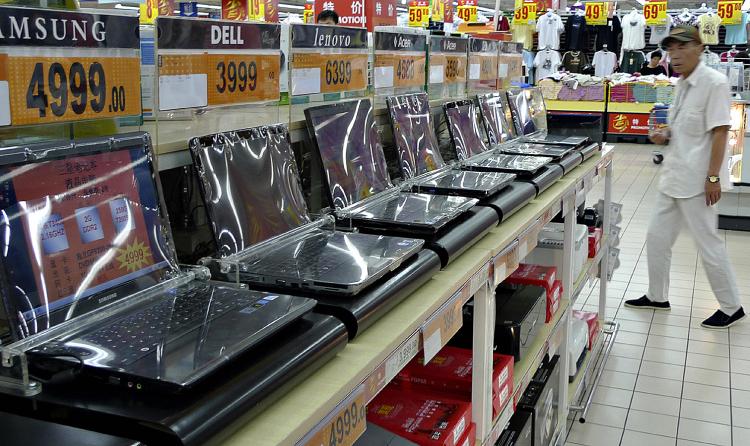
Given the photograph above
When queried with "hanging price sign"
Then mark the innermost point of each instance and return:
(343, 426)
(328, 59)
(400, 59)
(596, 13)
(149, 10)
(655, 13)
(437, 10)
(419, 14)
(448, 60)
(730, 12)
(242, 67)
(467, 10)
(525, 12)
(257, 10)
(308, 14)
(86, 67)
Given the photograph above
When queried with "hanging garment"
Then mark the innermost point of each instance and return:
(737, 34)
(576, 33)
(632, 61)
(710, 58)
(660, 32)
(549, 26)
(503, 24)
(608, 34)
(575, 61)
(604, 63)
(685, 18)
(546, 63)
(709, 28)
(633, 31)
(728, 56)
(523, 33)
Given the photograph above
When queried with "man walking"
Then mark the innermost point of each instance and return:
(691, 180)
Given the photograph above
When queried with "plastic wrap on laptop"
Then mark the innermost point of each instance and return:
(497, 118)
(463, 124)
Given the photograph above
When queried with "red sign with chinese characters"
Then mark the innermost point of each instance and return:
(351, 13)
(380, 13)
(166, 7)
(234, 9)
(628, 123)
(272, 11)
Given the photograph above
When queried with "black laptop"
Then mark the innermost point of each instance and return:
(88, 270)
(419, 156)
(263, 230)
(359, 185)
(530, 121)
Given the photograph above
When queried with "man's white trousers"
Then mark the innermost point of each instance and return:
(669, 216)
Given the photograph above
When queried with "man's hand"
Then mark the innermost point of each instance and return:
(659, 136)
(713, 193)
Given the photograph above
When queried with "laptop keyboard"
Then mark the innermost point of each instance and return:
(140, 333)
(305, 261)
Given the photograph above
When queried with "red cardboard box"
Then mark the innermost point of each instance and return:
(423, 418)
(469, 437)
(449, 373)
(592, 319)
(553, 300)
(595, 241)
(537, 275)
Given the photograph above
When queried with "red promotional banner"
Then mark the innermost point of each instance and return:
(234, 10)
(166, 7)
(351, 13)
(272, 11)
(380, 13)
(628, 123)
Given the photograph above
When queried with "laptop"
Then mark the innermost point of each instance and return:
(256, 209)
(89, 271)
(419, 156)
(530, 122)
(472, 151)
(359, 185)
(496, 117)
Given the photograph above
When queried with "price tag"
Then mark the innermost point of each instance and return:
(730, 12)
(400, 60)
(257, 10)
(389, 368)
(526, 12)
(596, 13)
(328, 59)
(655, 12)
(453, 68)
(308, 15)
(483, 60)
(505, 263)
(343, 426)
(467, 10)
(438, 10)
(94, 73)
(149, 10)
(242, 67)
(419, 14)
(440, 328)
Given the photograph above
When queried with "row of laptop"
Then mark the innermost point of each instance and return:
(89, 268)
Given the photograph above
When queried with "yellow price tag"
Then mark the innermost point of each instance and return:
(596, 13)
(438, 10)
(345, 426)
(149, 11)
(730, 12)
(438, 330)
(467, 10)
(655, 13)
(134, 256)
(526, 12)
(257, 10)
(308, 15)
(419, 14)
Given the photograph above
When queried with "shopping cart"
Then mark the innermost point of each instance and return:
(657, 122)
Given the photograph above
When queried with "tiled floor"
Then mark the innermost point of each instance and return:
(668, 381)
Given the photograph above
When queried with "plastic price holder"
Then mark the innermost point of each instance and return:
(448, 67)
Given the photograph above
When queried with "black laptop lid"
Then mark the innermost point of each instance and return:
(250, 185)
(80, 228)
(497, 118)
(413, 132)
(350, 150)
(522, 117)
(463, 126)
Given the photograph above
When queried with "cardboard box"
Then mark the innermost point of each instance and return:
(592, 319)
(553, 300)
(595, 241)
(426, 419)
(449, 373)
(470, 436)
(537, 275)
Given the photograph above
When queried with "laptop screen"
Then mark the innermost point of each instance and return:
(250, 184)
(350, 149)
(74, 230)
(417, 145)
(464, 129)
(496, 117)
(538, 107)
(519, 103)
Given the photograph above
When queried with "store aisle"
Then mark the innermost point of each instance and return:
(669, 381)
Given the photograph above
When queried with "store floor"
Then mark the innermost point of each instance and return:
(668, 381)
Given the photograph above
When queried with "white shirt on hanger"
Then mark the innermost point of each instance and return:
(660, 32)
(604, 63)
(633, 31)
(549, 26)
(546, 62)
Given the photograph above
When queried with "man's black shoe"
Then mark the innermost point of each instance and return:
(645, 302)
(722, 320)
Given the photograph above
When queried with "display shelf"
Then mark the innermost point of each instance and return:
(629, 107)
(575, 387)
(589, 268)
(576, 106)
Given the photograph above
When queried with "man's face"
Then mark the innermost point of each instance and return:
(685, 55)
(326, 21)
(655, 60)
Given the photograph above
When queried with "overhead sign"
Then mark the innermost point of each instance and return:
(148, 11)
(380, 13)
(238, 10)
(419, 14)
(655, 12)
(308, 15)
(730, 12)
(437, 10)
(525, 12)
(351, 12)
(206, 63)
(400, 60)
(596, 13)
(467, 10)
(58, 66)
